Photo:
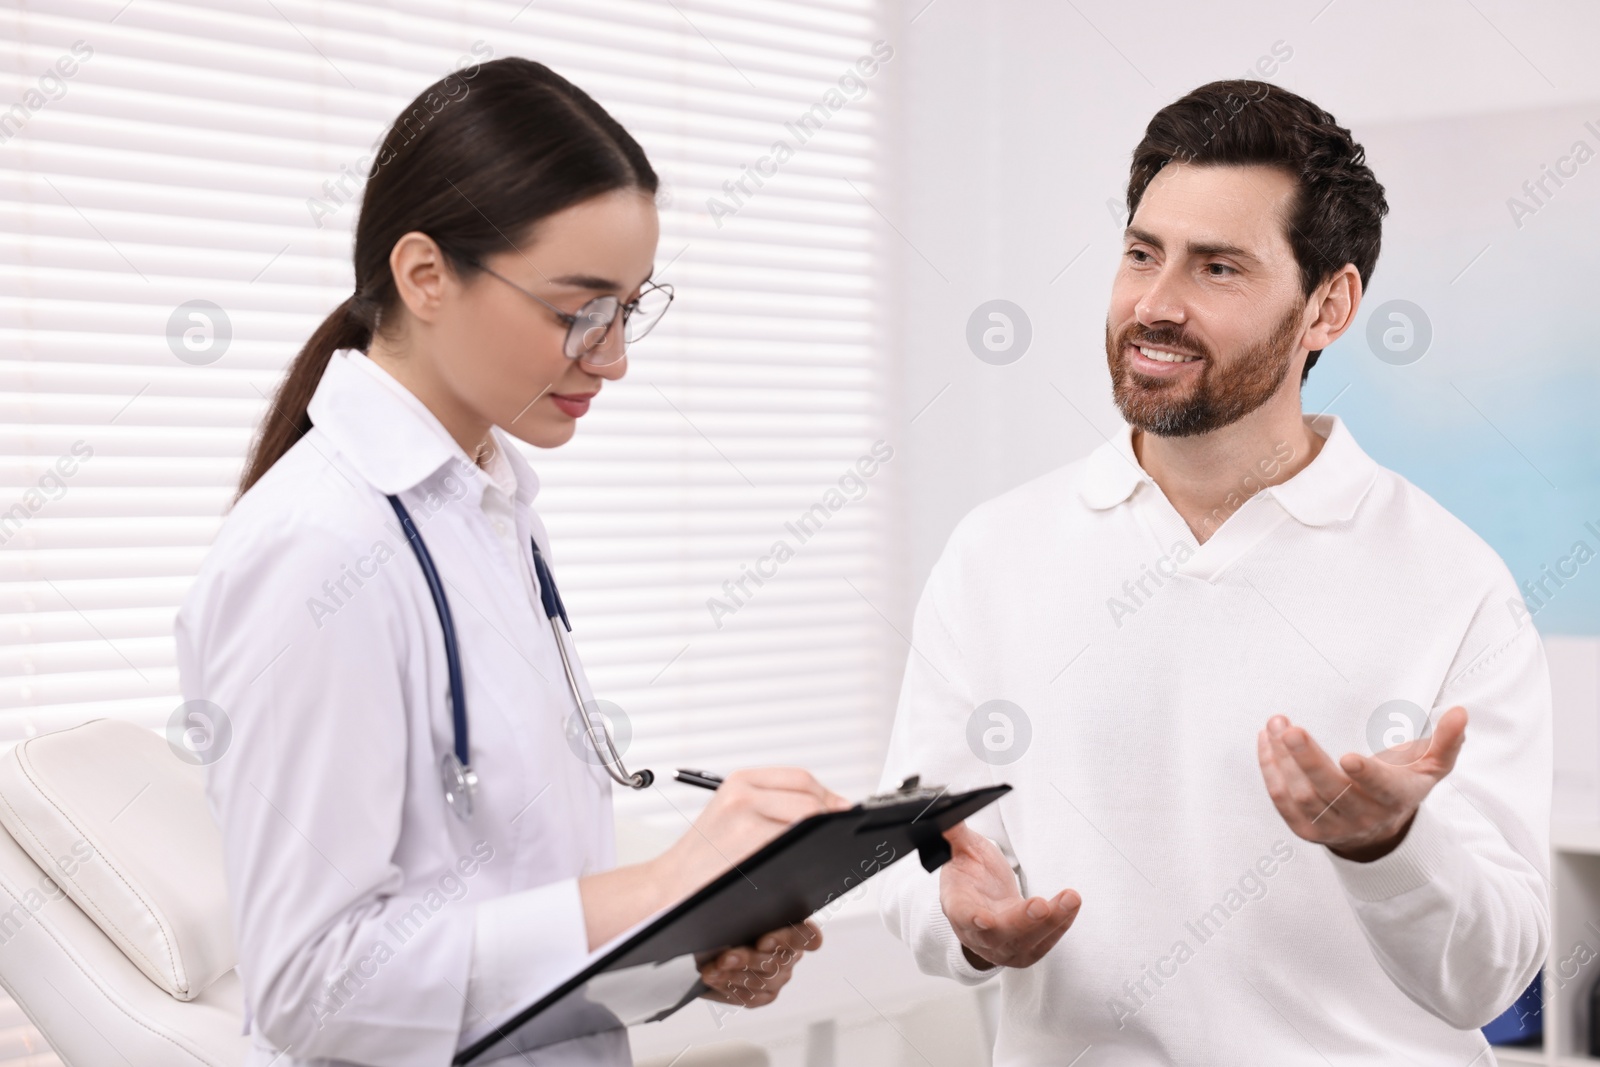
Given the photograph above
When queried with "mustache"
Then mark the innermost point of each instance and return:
(1164, 337)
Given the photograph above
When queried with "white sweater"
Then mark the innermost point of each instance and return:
(1211, 934)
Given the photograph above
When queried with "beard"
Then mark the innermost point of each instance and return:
(1220, 395)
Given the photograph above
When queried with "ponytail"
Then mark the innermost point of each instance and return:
(349, 326)
(475, 167)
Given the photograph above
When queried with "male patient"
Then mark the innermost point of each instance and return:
(1277, 717)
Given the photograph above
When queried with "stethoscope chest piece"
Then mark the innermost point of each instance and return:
(460, 783)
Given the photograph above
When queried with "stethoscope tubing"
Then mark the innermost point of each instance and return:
(460, 780)
(452, 648)
(599, 738)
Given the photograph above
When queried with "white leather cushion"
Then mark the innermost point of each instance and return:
(120, 823)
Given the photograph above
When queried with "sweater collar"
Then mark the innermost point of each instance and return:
(1324, 491)
(391, 438)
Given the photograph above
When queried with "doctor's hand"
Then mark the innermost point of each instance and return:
(751, 977)
(750, 808)
(1362, 806)
(995, 925)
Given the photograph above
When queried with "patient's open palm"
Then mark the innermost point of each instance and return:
(1361, 807)
(995, 925)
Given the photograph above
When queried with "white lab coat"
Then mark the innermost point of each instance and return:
(373, 926)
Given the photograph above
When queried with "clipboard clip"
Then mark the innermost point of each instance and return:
(932, 848)
(910, 789)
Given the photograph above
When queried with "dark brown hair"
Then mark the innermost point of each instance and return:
(474, 167)
(1336, 216)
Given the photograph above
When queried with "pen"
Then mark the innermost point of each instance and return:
(703, 779)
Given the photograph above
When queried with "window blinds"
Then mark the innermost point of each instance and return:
(176, 203)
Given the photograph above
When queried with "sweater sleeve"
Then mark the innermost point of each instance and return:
(930, 738)
(1458, 915)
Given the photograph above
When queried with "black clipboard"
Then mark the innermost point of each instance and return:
(789, 879)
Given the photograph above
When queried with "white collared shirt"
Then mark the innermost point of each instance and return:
(373, 926)
(499, 476)
(1136, 666)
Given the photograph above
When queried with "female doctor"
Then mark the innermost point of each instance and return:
(399, 873)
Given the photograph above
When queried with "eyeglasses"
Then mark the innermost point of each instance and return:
(587, 330)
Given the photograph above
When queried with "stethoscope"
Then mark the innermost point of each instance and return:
(455, 768)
